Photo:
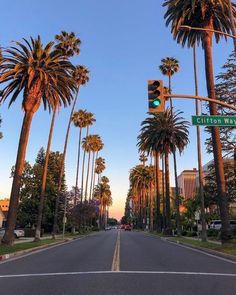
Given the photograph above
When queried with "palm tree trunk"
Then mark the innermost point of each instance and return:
(92, 176)
(8, 238)
(163, 193)
(167, 181)
(177, 196)
(217, 149)
(176, 176)
(151, 207)
(82, 176)
(44, 178)
(200, 174)
(157, 174)
(77, 168)
(87, 177)
(55, 226)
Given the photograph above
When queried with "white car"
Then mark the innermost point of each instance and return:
(18, 233)
(216, 224)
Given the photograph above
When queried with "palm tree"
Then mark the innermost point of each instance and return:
(79, 120)
(102, 193)
(89, 120)
(100, 167)
(209, 15)
(68, 45)
(141, 177)
(80, 77)
(43, 75)
(90, 144)
(98, 146)
(164, 133)
(169, 67)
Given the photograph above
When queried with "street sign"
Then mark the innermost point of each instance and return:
(214, 120)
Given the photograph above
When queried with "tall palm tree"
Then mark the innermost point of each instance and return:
(44, 76)
(79, 120)
(102, 193)
(100, 167)
(163, 133)
(96, 148)
(209, 15)
(89, 120)
(68, 46)
(141, 177)
(80, 77)
(169, 67)
(90, 144)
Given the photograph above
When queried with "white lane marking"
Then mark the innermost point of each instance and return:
(119, 272)
(200, 251)
(116, 257)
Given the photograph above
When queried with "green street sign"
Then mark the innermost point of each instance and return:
(214, 120)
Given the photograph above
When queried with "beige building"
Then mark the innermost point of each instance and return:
(187, 183)
(4, 205)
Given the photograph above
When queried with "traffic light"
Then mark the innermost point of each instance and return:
(156, 100)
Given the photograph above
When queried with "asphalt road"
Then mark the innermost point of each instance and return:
(118, 263)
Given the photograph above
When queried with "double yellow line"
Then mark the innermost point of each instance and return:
(116, 257)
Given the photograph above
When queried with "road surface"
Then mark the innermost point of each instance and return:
(118, 263)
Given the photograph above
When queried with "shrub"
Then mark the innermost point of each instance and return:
(212, 232)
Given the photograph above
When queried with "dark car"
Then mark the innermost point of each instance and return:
(127, 227)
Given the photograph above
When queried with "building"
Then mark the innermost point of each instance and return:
(2, 218)
(4, 205)
(187, 183)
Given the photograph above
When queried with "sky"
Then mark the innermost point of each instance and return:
(123, 43)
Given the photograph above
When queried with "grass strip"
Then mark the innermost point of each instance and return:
(4, 249)
(228, 249)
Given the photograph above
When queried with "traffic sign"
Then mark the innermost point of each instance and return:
(214, 120)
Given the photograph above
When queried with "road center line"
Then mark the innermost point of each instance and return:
(119, 272)
(116, 257)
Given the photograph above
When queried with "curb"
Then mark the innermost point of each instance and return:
(22, 252)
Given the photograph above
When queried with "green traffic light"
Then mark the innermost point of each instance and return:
(156, 102)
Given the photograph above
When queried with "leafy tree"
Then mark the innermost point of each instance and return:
(226, 91)
(31, 187)
(210, 187)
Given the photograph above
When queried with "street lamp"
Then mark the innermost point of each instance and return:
(189, 28)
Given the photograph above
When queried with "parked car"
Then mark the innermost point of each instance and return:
(127, 227)
(216, 224)
(18, 233)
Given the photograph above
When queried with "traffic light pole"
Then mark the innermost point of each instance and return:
(201, 98)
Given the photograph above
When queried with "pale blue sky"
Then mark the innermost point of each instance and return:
(123, 43)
